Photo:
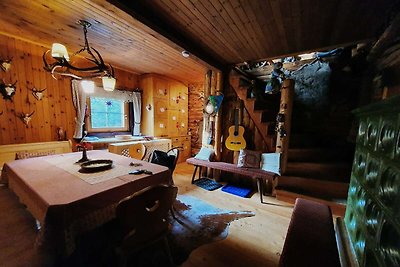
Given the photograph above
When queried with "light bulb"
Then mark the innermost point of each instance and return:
(108, 83)
(59, 51)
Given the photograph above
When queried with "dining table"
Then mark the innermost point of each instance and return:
(67, 199)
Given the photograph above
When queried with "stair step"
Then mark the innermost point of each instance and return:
(338, 171)
(321, 154)
(321, 188)
(338, 206)
(317, 140)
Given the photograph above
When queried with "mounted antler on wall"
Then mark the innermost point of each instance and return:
(5, 64)
(37, 93)
(8, 90)
(26, 118)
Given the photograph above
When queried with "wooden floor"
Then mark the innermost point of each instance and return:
(254, 241)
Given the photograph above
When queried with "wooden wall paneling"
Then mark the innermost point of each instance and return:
(3, 117)
(10, 123)
(23, 76)
(40, 81)
(28, 63)
(19, 136)
(195, 112)
(53, 111)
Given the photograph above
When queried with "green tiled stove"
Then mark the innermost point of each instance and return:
(373, 206)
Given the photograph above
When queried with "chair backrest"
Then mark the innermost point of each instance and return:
(174, 152)
(143, 215)
(137, 151)
(167, 159)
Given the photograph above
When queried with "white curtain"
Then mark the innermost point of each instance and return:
(137, 112)
(125, 96)
(79, 99)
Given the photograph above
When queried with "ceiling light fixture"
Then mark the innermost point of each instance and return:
(185, 53)
(94, 65)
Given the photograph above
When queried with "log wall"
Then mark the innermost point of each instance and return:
(54, 110)
(196, 115)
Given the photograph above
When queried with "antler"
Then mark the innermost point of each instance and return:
(29, 115)
(34, 89)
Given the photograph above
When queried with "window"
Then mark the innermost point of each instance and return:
(107, 115)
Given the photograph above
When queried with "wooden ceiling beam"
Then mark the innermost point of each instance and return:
(141, 13)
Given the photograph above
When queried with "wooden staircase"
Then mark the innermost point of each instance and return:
(318, 168)
(320, 174)
(261, 111)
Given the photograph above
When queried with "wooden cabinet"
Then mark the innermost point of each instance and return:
(185, 147)
(164, 106)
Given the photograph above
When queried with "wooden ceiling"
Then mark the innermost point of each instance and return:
(235, 31)
(148, 36)
(121, 40)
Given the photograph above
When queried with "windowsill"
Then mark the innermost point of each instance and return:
(111, 139)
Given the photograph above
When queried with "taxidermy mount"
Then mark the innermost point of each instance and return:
(8, 90)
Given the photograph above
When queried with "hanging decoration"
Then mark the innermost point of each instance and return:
(26, 117)
(274, 85)
(8, 90)
(213, 104)
(37, 93)
(60, 64)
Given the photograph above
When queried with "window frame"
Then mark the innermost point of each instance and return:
(106, 130)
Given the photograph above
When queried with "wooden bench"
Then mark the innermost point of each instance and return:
(9, 152)
(263, 178)
(310, 240)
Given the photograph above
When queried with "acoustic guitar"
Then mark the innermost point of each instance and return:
(235, 140)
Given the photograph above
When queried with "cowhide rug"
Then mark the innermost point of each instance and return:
(200, 223)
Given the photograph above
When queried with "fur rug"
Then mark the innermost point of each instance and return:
(201, 223)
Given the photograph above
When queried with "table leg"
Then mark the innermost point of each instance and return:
(260, 188)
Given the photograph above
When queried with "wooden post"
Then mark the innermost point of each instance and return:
(218, 121)
(284, 125)
(206, 118)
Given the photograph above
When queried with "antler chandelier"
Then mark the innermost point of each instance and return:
(94, 65)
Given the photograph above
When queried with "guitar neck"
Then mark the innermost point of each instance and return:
(236, 121)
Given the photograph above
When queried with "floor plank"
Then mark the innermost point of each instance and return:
(254, 241)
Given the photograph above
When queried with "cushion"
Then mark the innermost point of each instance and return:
(271, 162)
(162, 158)
(249, 159)
(27, 154)
(205, 153)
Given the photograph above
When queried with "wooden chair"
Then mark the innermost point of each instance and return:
(142, 218)
(170, 162)
(137, 151)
